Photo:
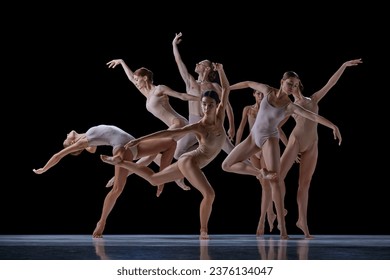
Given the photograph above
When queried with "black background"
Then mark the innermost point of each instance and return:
(57, 78)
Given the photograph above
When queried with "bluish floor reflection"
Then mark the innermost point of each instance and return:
(189, 247)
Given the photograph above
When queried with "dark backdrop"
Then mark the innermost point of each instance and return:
(59, 81)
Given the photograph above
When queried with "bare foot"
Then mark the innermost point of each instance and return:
(98, 232)
(204, 235)
(271, 220)
(302, 226)
(265, 174)
(284, 237)
(110, 160)
(182, 184)
(110, 183)
(260, 231)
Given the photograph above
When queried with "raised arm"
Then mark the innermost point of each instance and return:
(299, 110)
(317, 96)
(186, 76)
(225, 89)
(128, 71)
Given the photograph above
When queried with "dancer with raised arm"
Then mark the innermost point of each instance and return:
(157, 102)
(303, 144)
(249, 114)
(264, 136)
(211, 136)
(204, 82)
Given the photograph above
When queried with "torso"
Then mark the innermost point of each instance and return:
(305, 130)
(210, 143)
(267, 121)
(107, 135)
(158, 104)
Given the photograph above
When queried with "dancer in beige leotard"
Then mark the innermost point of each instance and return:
(211, 136)
(157, 102)
(264, 136)
(303, 143)
(249, 114)
(109, 135)
(204, 82)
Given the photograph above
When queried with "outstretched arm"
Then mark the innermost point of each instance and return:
(171, 133)
(317, 96)
(299, 110)
(128, 71)
(79, 145)
(181, 95)
(250, 84)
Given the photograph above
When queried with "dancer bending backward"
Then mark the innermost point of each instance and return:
(249, 114)
(303, 143)
(211, 136)
(264, 135)
(109, 135)
(157, 103)
(205, 82)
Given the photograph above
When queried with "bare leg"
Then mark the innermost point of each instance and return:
(271, 154)
(266, 209)
(307, 167)
(115, 192)
(143, 161)
(196, 177)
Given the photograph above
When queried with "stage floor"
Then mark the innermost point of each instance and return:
(189, 247)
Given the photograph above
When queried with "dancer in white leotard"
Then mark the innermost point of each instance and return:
(109, 135)
(264, 136)
(249, 114)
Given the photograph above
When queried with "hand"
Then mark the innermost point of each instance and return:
(177, 39)
(337, 134)
(231, 133)
(38, 171)
(114, 63)
(353, 62)
(132, 143)
(298, 159)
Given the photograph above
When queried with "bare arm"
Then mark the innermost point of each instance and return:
(185, 75)
(250, 84)
(128, 71)
(299, 110)
(243, 122)
(79, 145)
(171, 133)
(225, 89)
(282, 135)
(181, 95)
(317, 96)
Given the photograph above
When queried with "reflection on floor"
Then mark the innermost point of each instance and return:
(189, 247)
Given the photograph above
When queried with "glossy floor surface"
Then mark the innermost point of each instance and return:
(189, 247)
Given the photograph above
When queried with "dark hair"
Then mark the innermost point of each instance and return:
(292, 74)
(212, 94)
